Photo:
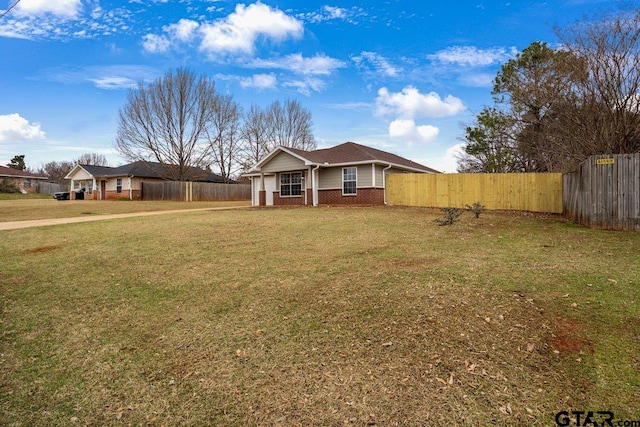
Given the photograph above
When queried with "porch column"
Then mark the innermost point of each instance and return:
(72, 194)
(262, 194)
(94, 190)
(314, 185)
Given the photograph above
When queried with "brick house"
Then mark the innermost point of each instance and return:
(347, 174)
(25, 182)
(125, 182)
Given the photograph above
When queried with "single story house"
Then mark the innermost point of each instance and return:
(104, 182)
(25, 182)
(346, 174)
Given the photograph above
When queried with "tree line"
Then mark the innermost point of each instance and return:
(180, 120)
(555, 107)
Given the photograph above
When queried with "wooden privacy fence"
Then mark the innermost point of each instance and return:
(605, 192)
(194, 191)
(51, 187)
(534, 192)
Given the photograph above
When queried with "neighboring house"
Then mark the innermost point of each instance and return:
(25, 182)
(346, 174)
(104, 182)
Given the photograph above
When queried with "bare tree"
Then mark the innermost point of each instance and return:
(166, 120)
(254, 137)
(95, 159)
(606, 117)
(56, 171)
(289, 125)
(223, 135)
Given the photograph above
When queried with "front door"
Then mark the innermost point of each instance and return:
(103, 189)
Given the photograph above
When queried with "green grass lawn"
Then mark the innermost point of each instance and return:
(318, 316)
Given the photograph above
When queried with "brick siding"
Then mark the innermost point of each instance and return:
(365, 196)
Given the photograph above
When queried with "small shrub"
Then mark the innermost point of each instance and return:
(450, 216)
(7, 186)
(477, 208)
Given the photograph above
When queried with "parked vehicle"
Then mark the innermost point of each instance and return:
(65, 195)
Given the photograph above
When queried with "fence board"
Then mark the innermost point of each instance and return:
(194, 191)
(605, 192)
(533, 192)
(50, 187)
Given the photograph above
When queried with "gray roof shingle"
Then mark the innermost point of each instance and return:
(143, 169)
(350, 152)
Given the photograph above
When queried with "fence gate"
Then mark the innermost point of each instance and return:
(605, 192)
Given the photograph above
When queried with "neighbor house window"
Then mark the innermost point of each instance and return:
(290, 184)
(349, 180)
(27, 183)
(118, 185)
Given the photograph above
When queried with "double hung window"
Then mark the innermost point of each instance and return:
(118, 185)
(290, 184)
(349, 181)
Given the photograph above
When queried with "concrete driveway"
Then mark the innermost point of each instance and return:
(14, 225)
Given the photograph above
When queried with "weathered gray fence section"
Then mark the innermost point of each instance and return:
(203, 191)
(50, 187)
(604, 192)
(194, 191)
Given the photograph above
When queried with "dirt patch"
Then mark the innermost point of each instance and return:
(42, 249)
(566, 337)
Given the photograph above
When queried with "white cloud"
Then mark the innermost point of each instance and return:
(13, 127)
(184, 30)
(410, 103)
(449, 162)
(477, 80)
(155, 44)
(306, 86)
(316, 65)
(61, 8)
(407, 129)
(105, 77)
(380, 65)
(114, 83)
(329, 13)
(259, 81)
(62, 20)
(236, 34)
(335, 12)
(239, 31)
(471, 56)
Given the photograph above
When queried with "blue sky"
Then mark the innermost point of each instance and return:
(402, 76)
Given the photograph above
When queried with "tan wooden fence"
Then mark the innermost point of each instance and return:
(194, 191)
(533, 192)
(605, 192)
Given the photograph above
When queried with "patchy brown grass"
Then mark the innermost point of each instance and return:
(42, 249)
(325, 316)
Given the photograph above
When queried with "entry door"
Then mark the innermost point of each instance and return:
(270, 187)
(103, 190)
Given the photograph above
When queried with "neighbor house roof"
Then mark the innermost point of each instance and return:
(142, 169)
(348, 153)
(17, 173)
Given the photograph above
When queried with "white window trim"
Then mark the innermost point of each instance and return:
(356, 181)
(291, 184)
